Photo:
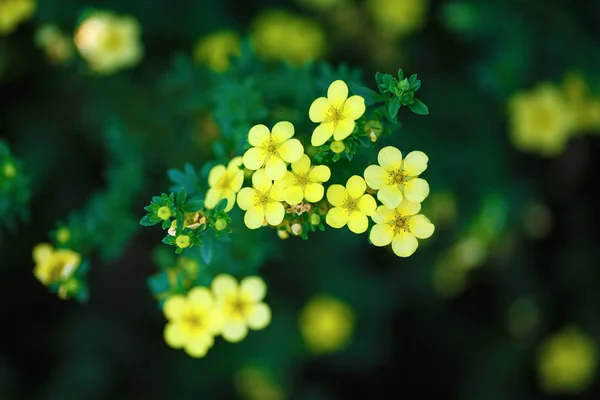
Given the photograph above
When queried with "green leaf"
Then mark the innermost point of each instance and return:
(221, 205)
(148, 221)
(364, 141)
(181, 197)
(415, 86)
(206, 252)
(412, 79)
(418, 107)
(193, 205)
(400, 74)
(393, 107)
(369, 95)
(379, 78)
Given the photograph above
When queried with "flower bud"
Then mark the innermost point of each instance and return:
(164, 213)
(337, 146)
(220, 224)
(183, 241)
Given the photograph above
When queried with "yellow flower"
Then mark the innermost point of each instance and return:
(224, 183)
(401, 227)
(216, 49)
(326, 324)
(109, 42)
(272, 149)
(304, 182)
(540, 120)
(58, 46)
(193, 321)
(567, 362)
(54, 266)
(13, 12)
(262, 200)
(240, 305)
(398, 18)
(395, 176)
(585, 108)
(350, 205)
(336, 114)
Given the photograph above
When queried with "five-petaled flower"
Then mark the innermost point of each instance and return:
(54, 266)
(262, 200)
(240, 305)
(224, 183)
(395, 176)
(272, 149)
(350, 205)
(336, 114)
(304, 181)
(401, 227)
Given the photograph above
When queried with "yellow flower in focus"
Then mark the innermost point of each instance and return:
(240, 305)
(350, 205)
(401, 227)
(278, 35)
(585, 108)
(398, 18)
(54, 266)
(216, 50)
(109, 42)
(540, 120)
(224, 183)
(336, 114)
(58, 46)
(304, 182)
(272, 149)
(567, 362)
(13, 12)
(193, 321)
(326, 324)
(395, 176)
(261, 201)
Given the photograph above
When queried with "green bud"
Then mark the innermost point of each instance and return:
(183, 241)
(337, 146)
(220, 224)
(315, 219)
(164, 213)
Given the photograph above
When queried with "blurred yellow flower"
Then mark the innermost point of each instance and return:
(261, 201)
(304, 182)
(279, 35)
(398, 18)
(9, 170)
(254, 383)
(567, 362)
(54, 265)
(336, 114)
(240, 305)
(326, 324)
(193, 321)
(585, 108)
(63, 235)
(216, 50)
(322, 5)
(13, 12)
(350, 205)
(109, 42)
(224, 183)
(57, 45)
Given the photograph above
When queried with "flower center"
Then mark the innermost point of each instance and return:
(397, 177)
(400, 224)
(301, 179)
(270, 147)
(192, 321)
(334, 115)
(224, 182)
(239, 306)
(261, 198)
(351, 204)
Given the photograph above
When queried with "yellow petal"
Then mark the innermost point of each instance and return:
(319, 173)
(302, 165)
(237, 181)
(215, 174)
(200, 296)
(245, 198)
(199, 346)
(415, 163)
(408, 208)
(234, 330)
(343, 129)
(337, 195)
(282, 131)
(390, 196)
(337, 217)
(367, 205)
(421, 226)
(322, 134)
(174, 305)
(260, 316)
(258, 136)
(254, 287)
(223, 285)
(390, 158)
(291, 151)
(354, 107)
(230, 196)
(337, 93)
(275, 168)
(42, 252)
(288, 180)
(358, 222)
(261, 181)
(416, 190)
(277, 193)
(404, 244)
(356, 186)
(212, 198)
(275, 213)
(376, 177)
(293, 195)
(383, 215)
(235, 164)
(314, 192)
(174, 335)
(254, 217)
(318, 109)
(381, 235)
(254, 158)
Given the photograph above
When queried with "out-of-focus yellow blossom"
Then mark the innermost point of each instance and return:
(13, 12)
(395, 176)
(398, 18)
(540, 120)
(254, 383)
(323, 5)
(304, 182)
(336, 114)
(279, 35)
(191, 220)
(216, 50)
(350, 205)
(441, 208)
(261, 201)
(63, 235)
(109, 42)
(326, 324)
(586, 109)
(9, 170)
(193, 321)
(54, 265)
(567, 362)
(401, 227)
(224, 183)
(58, 46)
(240, 305)
(272, 149)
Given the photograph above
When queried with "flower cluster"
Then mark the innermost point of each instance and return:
(57, 268)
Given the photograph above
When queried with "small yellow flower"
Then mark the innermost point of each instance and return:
(398, 18)
(57, 45)
(585, 108)
(182, 241)
(401, 227)
(567, 362)
(109, 42)
(193, 321)
(54, 266)
(395, 176)
(262, 200)
(272, 149)
(336, 114)
(164, 213)
(304, 182)
(326, 324)
(350, 205)
(240, 305)
(13, 12)
(216, 50)
(337, 146)
(224, 184)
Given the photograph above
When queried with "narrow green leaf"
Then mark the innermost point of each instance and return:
(221, 205)
(148, 221)
(206, 251)
(418, 107)
(393, 107)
